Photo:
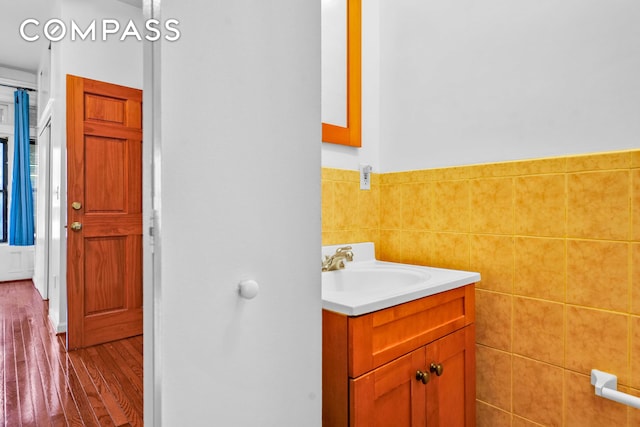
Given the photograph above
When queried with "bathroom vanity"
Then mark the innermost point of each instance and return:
(411, 363)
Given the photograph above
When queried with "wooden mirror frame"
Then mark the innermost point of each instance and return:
(350, 135)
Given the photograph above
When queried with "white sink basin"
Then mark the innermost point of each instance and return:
(371, 279)
(367, 285)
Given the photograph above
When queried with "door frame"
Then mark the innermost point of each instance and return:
(151, 222)
(45, 169)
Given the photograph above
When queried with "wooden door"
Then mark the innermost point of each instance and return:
(451, 396)
(104, 219)
(390, 396)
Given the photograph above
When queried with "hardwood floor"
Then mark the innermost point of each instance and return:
(42, 385)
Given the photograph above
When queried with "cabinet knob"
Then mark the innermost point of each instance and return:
(422, 376)
(437, 368)
(76, 226)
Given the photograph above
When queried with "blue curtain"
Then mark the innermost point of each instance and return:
(21, 216)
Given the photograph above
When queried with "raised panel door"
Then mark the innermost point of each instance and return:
(390, 396)
(104, 241)
(451, 395)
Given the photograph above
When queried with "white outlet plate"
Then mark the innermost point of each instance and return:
(365, 177)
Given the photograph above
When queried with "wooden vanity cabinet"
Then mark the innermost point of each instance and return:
(371, 364)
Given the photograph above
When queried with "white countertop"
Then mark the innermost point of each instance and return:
(367, 285)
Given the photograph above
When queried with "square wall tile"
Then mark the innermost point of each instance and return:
(540, 208)
(598, 274)
(537, 391)
(332, 174)
(390, 246)
(368, 208)
(635, 278)
(390, 206)
(416, 247)
(416, 206)
(362, 235)
(492, 206)
(328, 202)
(635, 204)
(584, 408)
(492, 257)
(493, 319)
(493, 378)
(635, 352)
(450, 250)
(451, 206)
(339, 237)
(538, 330)
(375, 178)
(597, 339)
(598, 205)
(490, 416)
(540, 266)
(522, 422)
(345, 211)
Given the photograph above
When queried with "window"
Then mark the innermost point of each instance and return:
(4, 183)
(4, 167)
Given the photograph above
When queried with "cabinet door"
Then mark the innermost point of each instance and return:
(390, 396)
(451, 395)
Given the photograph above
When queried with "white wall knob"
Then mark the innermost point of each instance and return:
(248, 289)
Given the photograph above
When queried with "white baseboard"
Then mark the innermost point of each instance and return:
(16, 275)
(58, 327)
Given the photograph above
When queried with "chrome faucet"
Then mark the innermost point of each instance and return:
(337, 260)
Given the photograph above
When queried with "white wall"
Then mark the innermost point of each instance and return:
(17, 76)
(467, 82)
(16, 262)
(113, 61)
(240, 130)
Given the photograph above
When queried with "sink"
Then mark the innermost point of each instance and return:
(367, 284)
(374, 279)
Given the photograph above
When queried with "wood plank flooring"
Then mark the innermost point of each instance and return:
(42, 385)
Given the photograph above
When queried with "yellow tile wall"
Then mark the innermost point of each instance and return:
(348, 213)
(557, 242)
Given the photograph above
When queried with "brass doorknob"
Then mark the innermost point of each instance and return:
(76, 226)
(422, 376)
(76, 205)
(437, 368)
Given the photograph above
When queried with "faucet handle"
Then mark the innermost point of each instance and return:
(346, 252)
